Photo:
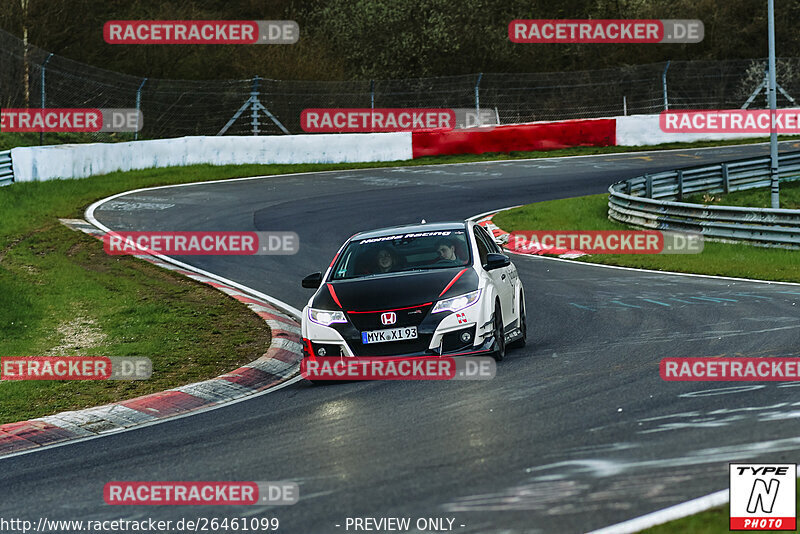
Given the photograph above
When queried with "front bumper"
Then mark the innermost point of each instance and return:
(438, 334)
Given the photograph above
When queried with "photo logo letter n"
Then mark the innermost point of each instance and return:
(763, 495)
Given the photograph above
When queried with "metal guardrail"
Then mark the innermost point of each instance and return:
(655, 201)
(6, 171)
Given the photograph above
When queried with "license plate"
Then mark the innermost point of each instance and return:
(392, 334)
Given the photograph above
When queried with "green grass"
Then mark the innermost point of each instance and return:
(60, 293)
(591, 213)
(758, 198)
(714, 521)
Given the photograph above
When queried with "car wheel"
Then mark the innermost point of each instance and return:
(499, 335)
(519, 343)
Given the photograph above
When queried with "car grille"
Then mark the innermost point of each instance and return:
(371, 320)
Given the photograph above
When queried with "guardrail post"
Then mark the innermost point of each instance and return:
(254, 114)
(627, 187)
(680, 186)
(478, 99)
(138, 108)
(726, 184)
(649, 184)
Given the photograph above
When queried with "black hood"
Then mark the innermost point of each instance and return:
(396, 290)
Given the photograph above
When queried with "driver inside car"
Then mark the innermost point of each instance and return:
(446, 251)
(385, 260)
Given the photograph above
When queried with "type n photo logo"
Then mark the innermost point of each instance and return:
(763, 496)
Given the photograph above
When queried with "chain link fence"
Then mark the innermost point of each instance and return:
(173, 108)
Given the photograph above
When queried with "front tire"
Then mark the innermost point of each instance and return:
(499, 335)
(519, 343)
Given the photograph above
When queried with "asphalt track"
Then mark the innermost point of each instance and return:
(576, 432)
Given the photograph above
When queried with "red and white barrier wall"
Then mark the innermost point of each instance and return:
(634, 130)
(644, 130)
(82, 160)
(516, 137)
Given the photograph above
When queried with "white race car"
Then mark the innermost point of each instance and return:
(418, 290)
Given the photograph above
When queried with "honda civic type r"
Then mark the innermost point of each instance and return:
(418, 290)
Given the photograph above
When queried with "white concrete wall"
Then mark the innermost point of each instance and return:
(82, 160)
(643, 130)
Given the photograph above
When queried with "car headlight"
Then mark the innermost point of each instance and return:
(326, 317)
(460, 302)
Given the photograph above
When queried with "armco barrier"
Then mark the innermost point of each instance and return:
(517, 137)
(82, 160)
(654, 201)
(6, 169)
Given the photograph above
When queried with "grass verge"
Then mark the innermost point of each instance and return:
(60, 294)
(591, 213)
(757, 198)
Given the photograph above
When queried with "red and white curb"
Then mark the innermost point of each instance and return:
(279, 364)
(531, 248)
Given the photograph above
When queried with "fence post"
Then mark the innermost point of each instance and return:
(478, 100)
(138, 108)
(726, 184)
(624, 105)
(649, 186)
(680, 186)
(664, 85)
(44, 67)
(372, 94)
(254, 114)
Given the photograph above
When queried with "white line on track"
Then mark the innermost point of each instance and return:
(684, 509)
(678, 511)
(603, 265)
(272, 300)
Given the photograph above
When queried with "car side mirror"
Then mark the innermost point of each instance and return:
(312, 281)
(496, 261)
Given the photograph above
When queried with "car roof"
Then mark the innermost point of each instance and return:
(411, 228)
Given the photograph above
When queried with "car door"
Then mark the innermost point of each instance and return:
(501, 277)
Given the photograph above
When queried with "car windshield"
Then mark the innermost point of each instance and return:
(403, 252)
